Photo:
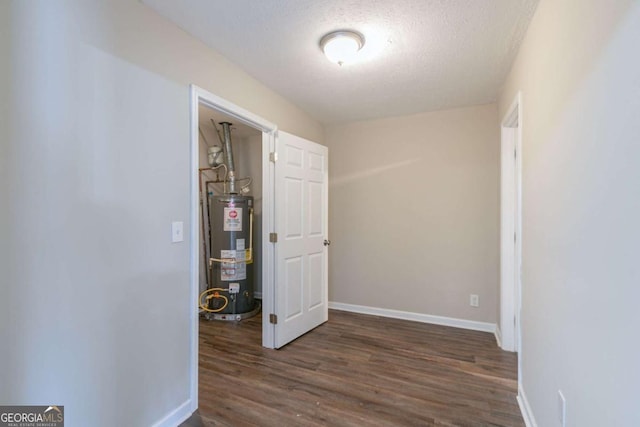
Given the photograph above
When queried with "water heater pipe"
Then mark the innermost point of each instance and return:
(213, 122)
(215, 293)
(227, 149)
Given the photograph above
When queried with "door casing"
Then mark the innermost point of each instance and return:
(269, 131)
(511, 227)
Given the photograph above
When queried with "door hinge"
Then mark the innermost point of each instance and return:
(273, 157)
(515, 154)
(514, 237)
(273, 237)
(273, 318)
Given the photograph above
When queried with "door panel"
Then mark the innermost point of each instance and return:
(301, 175)
(316, 227)
(293, 279)
(294, 189)
(316, 278)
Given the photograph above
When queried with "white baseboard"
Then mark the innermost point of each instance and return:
(498, 335)
(416, 317)
(177, 416)
(525, 409)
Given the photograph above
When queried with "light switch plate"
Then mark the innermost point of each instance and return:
(474, 300)
(177, 231)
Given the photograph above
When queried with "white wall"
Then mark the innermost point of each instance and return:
(94, 298)
(7, 356)
(579, 73)
(413, 212)
(206, 176)
(248, 161)
(212, 139)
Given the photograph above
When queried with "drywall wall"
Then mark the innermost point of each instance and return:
(249, 164)
(413, 212)
(7, 356)
(580, 79)
(95, 297)
(202, 215)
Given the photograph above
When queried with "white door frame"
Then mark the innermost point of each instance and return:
(269, 130)
(511, 226)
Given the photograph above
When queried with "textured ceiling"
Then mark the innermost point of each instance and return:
(420, 55)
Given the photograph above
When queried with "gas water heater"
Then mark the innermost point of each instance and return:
(230, 291)
(232, 253)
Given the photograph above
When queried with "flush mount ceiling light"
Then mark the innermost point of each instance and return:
(341, 46)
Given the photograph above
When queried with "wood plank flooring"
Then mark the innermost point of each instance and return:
(355, 370)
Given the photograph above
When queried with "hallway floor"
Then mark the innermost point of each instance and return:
(355, 370)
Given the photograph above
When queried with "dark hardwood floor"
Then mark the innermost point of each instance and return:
(355, 370)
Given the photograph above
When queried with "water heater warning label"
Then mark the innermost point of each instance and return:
(233, 270)
(232, 219)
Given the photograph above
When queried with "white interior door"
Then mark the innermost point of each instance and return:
(301, 203)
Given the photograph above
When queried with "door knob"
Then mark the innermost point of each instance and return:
(327, 242)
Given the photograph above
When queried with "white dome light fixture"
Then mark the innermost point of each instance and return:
(341, 46)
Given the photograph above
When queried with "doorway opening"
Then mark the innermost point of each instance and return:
(293, 230)
(255, 139)
(230, 217)
(511, 228)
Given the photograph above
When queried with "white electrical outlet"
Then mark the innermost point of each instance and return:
(177, 231)
(474, 300)
(562, 409)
